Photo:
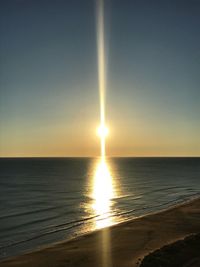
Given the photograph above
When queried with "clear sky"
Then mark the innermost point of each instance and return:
(49, 99)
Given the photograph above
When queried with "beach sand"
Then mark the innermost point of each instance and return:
(122, 245)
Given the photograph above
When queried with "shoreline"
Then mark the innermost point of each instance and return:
(85, 234)
(125, 243)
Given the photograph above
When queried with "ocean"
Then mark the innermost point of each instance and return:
(48, 200)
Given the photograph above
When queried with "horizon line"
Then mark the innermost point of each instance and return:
(133, 156)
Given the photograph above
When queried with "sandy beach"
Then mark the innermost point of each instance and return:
(124, 244)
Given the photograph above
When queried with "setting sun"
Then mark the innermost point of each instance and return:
(99, 133)
(102, 131)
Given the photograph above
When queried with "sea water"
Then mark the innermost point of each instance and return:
(48, 200)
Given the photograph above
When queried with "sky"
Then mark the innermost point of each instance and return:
(49, 98)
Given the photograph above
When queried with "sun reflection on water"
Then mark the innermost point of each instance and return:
(102, 194)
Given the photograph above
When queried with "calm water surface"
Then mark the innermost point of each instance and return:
(46, 200)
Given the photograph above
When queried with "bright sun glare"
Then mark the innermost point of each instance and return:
(103, 192)
(103, 188)
(102, 131)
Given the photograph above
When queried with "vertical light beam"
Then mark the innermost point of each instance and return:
(106, 253)
(101, 71)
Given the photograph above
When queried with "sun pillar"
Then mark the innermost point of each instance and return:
(103, 131)
(101, 74)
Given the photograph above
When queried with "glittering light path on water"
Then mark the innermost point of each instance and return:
(102, 189)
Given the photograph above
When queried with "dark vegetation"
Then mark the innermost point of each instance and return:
(183, 253)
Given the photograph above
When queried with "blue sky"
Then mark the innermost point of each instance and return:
(49, 100)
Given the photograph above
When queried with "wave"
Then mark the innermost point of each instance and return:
(75, 223)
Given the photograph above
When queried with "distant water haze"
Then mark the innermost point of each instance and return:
(47, 200)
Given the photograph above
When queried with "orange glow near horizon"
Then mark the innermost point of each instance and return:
(102, 132)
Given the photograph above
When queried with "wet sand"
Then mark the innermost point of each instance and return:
(122, 245)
